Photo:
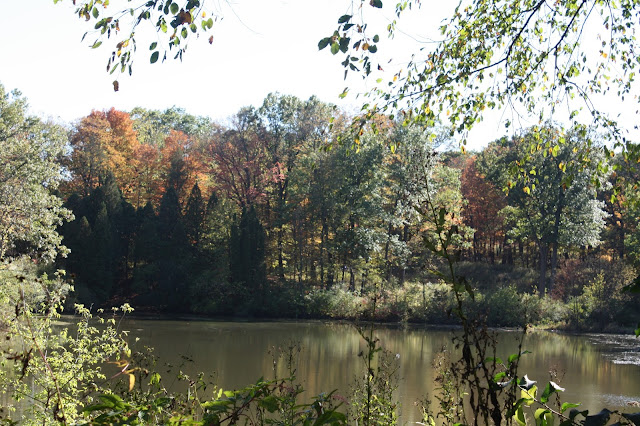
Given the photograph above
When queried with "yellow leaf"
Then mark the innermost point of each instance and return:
(526, 190)
(132, 381)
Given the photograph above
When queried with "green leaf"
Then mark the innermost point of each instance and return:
(324, 43)
(154, 57)
(376, 38)
(153, 45)
(549, 390)
(184, 33)
(174, 8)
(376, 3)
(499, 376)
(529, 395)
(344, 18)
(344, 44)
(566, 405)
(95, 12)
(514, 357)
(519, 417)
(335, 48)
(162, 401)
(373, 48)
(96, 44)
(543, 417)
(270, 403)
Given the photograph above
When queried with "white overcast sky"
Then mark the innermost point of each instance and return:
(260, 46)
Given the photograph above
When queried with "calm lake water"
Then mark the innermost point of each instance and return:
(596, 370)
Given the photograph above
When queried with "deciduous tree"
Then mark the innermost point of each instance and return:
(30, 170)
(555, 201)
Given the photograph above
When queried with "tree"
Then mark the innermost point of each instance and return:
(194, 216)
(555, 203)
(154, 126)
(30, 172)
(239, 156)
(104, 142)
(247, 254)
(289, 124)
(172, 254)
(506, 53)
(484, 202)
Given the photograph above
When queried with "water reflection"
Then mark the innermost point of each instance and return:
(238, 352)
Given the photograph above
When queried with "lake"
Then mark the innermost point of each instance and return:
(596, 370)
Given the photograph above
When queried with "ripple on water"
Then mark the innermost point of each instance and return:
(620, 400)
(618, 348)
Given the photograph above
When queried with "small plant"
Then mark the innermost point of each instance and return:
(373, 401)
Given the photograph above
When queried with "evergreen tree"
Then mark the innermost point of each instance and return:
(194, 216)
(172, 256)
(100, 276)
(247, 252)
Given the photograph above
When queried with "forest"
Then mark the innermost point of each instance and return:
(282, 212)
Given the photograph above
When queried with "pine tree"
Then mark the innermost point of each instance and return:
(194, 216)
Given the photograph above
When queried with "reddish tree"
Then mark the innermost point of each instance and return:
(240, 156)
(180, 165)
(482, 211)
(148, 179)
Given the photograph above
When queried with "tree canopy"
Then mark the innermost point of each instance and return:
(30, 170)
(534, 56)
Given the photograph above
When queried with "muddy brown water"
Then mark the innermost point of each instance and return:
(596, 370)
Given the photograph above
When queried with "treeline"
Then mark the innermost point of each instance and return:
(185, 215)
(262, 215)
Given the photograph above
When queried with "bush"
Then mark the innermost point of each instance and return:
(337, 302)
(485, 276)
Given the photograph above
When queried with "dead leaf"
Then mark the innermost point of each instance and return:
(184, 17)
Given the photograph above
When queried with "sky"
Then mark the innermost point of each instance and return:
(259, 46)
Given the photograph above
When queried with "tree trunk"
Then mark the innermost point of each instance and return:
(554, 266)
(544, 254)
